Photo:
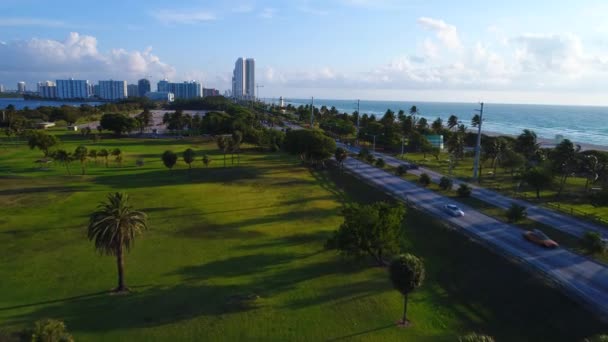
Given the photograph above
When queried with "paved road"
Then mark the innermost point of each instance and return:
(563, 222)
(584, 279)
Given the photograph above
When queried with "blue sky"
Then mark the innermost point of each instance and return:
(496, 51)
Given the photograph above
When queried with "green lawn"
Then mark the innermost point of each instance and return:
(237, 253)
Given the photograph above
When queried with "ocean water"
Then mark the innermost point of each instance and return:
(20, 103)
(581, 124)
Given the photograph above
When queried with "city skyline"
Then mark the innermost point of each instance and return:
(344, 49)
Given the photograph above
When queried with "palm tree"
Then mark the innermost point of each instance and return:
(104, 154)
(222, 145)
(117, 153)
(237, 139)
(452, 121)
(64, 158)
(407, 274)
(113, 228)
(340, 155)
(93, 154)
(206, 160)
(81, 154)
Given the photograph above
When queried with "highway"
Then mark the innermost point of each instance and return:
(583, 279)
(562, 222)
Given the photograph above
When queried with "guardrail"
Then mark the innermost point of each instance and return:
(569, 291)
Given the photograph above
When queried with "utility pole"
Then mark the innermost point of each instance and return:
(312, 112)
(478, 144)
(358, 118)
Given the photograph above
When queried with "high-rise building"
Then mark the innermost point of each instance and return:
(185, 90)
(250, 78)
(210, 92)
(144, 87)
(243, 79)
(112, 90)
(132, 90)
(47, 90)
(1, 88)
(73, 89)
(21, 87)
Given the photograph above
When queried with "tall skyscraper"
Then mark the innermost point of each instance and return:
(250, 79)
(112, 90)
(133, 90)
(144, 87)
(73, 89)
(162, 86)
(1, 88)
(243, 79)
(21, 87)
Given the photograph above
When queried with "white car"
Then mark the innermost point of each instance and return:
(453, 210)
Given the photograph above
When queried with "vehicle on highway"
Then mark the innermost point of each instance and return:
(538, 237)
(453, 210)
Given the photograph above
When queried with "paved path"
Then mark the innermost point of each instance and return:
(563, 222)
(584, 279)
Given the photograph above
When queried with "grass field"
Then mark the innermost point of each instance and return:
(237, 253)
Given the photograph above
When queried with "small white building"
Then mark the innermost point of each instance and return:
(73, 128)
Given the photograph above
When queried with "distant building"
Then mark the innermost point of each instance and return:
(73, 89)
(132, 90)
(144, 87)
(210, 92)
(21, 87)
(1, 88)
(113, 90)
(435, 140)
(243, 79)
(95, 90)
(185, 90)
(160, 96)
(47, 90)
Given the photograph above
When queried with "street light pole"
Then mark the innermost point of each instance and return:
(478, 144)
(358, 117)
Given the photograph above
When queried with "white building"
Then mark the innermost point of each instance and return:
(113, 90)
(21, 87)
(73, 89)
(47, 90)
(160, 96)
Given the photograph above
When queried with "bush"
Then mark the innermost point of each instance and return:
(599, 198)
(50, 330)
(464, 190)
(474, 337)
(401, 170)
(380, 163)
(446, 183)
(363, 153)
(424, 179)
(139, 162)
(592, 243)
(370, 158)
(516, 212)
(597, 338)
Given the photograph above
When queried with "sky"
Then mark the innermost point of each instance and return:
(546, 52)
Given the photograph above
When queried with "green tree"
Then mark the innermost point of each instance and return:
(340, 155)
(311, 145)
(189, 157)
(475, 337)
(380, 163)
(143, 119)
(597, 338)
(452, 122)
(42, 140)
(512, 161)
(446, 183)
(564, 158)
(81, 154)
(222, 144)
(464, 190)
(437, 126)
(113, 228)
(516, 212)
(93, 154)
(117, 154)
(424, 179)
(237, 139)
(64, 158)
(527, 144)
(435, 152)
(117, 123)
(206, 160)
(592, 243)
(169, 159)
(407, 274)
(50, 330)
(103, 153)
(475, 121)
(538, 178)
(401, 170)
(372, 230)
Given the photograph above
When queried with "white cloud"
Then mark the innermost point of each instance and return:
(268, 13)
(550, 53)
(170, 16)
(446, 33)
(76, 56)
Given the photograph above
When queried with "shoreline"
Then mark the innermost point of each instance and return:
(549, 143)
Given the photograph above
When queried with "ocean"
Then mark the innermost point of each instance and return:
(20, 103)
(581, 124)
